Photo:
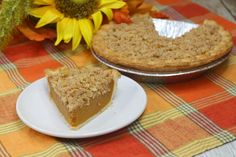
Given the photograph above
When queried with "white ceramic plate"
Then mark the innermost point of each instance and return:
(36, 110)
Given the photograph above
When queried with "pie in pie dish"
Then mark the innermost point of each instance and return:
(82, 93)
(138, 45)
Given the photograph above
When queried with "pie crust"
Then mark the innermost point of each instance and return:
(82, 93)
(139, 46)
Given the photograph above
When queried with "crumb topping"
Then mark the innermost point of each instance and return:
(139, 40)
(78, 86)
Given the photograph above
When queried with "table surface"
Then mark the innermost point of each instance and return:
(226, 9)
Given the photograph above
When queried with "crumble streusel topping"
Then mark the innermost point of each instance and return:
(139, 40)
(77, 86)
(139, 46)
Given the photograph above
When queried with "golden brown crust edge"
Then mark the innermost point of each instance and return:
(220, 50)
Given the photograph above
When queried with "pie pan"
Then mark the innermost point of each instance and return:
(171, 29)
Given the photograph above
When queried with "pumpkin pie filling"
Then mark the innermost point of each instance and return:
(81, 94)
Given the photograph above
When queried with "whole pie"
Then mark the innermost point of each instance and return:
(82, 93)
(138, 45)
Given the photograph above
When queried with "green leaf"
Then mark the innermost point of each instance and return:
(12, 14)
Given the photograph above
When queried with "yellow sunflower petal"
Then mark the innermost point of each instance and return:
(68, 34)
(77, 35)
(108, 12)
(115, 5)
(105, 2)
(39, 12)
(86, 28)
(43, 2)
(97, 20)
(51, 16)
(60, 31)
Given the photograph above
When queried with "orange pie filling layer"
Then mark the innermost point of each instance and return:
(81, 94)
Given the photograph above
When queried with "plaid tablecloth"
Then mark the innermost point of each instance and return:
(181, 119)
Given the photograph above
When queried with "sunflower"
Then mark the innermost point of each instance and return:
(75, 19)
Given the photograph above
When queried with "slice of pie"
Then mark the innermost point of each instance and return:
(82, 93)
(139, 46)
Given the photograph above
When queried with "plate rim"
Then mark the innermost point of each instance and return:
(77, 136)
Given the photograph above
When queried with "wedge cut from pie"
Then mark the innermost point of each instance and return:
(82, 93)
(139, 46)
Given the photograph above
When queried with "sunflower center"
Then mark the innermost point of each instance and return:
(76, 8)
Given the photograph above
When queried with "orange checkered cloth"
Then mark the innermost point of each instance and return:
(181, 119)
